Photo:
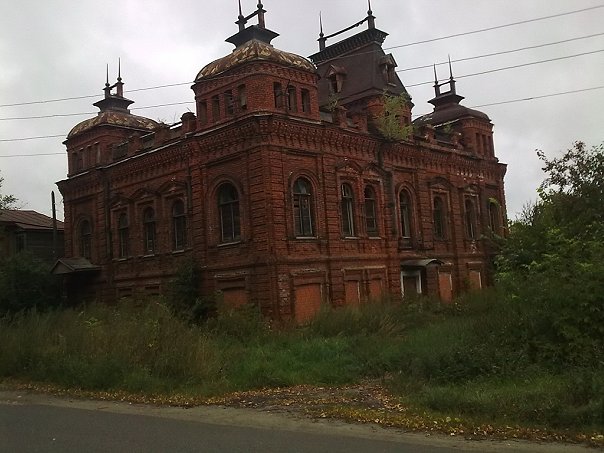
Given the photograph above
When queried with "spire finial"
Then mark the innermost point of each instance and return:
(370, 16)
(450, 69)
(240, 19)
(261, 12)
(107, 79)
(119, 85)
(119, 69)
(322, 38)
(451, 79)
(436, 85)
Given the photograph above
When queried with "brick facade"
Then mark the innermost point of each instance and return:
(282, 188)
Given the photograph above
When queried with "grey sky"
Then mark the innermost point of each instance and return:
(59, 49)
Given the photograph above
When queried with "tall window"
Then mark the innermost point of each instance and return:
(242, 92)
(123, 235)
(370, 212)
(292, 104)
(303, 222)
(347, 211)
(470, 212)
(228, 207)
(494, 217)
(202, 112)
(278, 94)
(229, 102)
(149, 231)
(215, 108)
(405, 209)
(305, 95)
(439, 218)
(179, 225)
(85, 239)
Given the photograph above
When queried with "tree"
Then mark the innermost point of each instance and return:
(551, 265)
(6, 201)
(389, 122)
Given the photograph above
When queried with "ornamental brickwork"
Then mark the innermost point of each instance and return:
(283, 188)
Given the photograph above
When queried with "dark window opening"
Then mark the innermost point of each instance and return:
(305, 94)
(347, 211)
(229, 102)
(494, 217)
(122, 229)
(303, 221)
(278, 94)
(439, 218)
(371, 212)
(405, 208)
(202, 112)
(228, 207)
(470, 212)
(149, 231)
(179, 225)
(85, 239)
(292, 102)
(242, 97)
(215, 108)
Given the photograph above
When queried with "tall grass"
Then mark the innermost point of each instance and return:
(461, 359)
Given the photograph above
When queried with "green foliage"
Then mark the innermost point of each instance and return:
(184, 294)
(26, 283)
(7, 201)
(551, 265)
(389, 122)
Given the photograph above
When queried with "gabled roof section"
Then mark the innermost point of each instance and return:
(73, 265)
(27, 220)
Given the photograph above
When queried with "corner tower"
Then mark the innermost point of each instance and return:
(256, 77)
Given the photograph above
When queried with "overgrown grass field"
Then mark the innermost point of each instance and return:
(458, 360)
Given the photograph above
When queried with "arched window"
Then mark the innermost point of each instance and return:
(228, 207)
(494, 217)
(370, 212)
(347, 211)
(439, 218)
(305, 94)
(303, 221)
(179, 225)
(241, 90)
(85, 239)
(123, 235)
(149, 231)
(405, 210)
(470, 212)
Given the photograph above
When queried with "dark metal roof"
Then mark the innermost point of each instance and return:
(73, 265)
(372, 35)
(27, 220)
(114, 118)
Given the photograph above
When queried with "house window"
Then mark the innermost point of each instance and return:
(228, 207)
(303, 221)
(278, 94)
(305, 94)
(122, 230)
(370, 212)
(292, 104)
(215, 108)
(202, 112)
(179, 225)
(242, 97)
(470, 212)
(85, 239)
(149, 231)
(229, 102)
(439, 218)
(405, 210)
(347, 211)
(494, 217)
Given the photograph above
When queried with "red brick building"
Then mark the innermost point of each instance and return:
(285, 187)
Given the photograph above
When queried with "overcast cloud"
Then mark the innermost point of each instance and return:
(58, 49)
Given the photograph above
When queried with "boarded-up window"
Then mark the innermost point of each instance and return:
(445, 286)
(308, 302)
(475, 279)
(375, 289)
(234, 297)
(411, 283)
(353, 292)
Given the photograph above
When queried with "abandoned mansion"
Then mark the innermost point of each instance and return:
(297, 182)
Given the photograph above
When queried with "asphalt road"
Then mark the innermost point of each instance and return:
(40, 423)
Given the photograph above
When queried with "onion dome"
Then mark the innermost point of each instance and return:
(114, 112)
(253, 44)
